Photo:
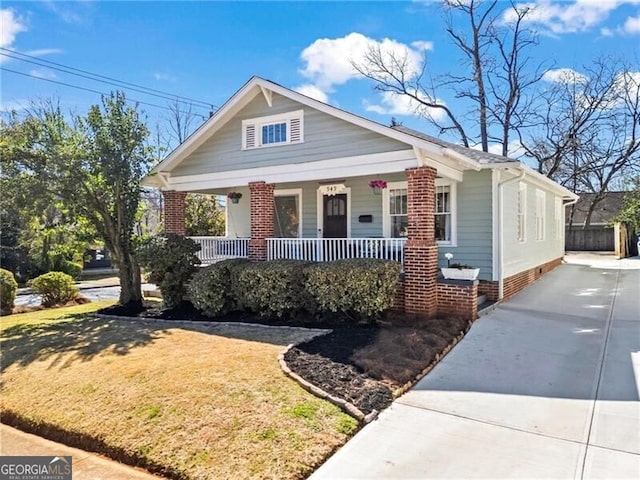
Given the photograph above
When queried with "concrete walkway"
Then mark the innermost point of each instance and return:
(85, 466)
(545, 386)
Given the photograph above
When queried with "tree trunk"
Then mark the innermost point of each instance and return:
(129, 274)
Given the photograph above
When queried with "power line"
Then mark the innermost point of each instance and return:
(99, 78)
(98, 92)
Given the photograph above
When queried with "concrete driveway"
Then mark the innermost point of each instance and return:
(545, 386)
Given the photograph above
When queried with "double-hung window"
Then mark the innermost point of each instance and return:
(395, 218)
(540, 214)
(287, 222)
(274, 130)
(522, 212)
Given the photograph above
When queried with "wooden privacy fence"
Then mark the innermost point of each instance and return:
(594, 238)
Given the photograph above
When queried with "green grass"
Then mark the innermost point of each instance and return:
(181, 400)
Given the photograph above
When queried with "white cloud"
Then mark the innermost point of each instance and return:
(396, 104)
(74, 13)
(10, 26)
(42, 73)
(41, 52)
(328, 61)
(558, 17)
(632, 25)
(164, 77)
(563, 75)
(514, 150)
(313, 92)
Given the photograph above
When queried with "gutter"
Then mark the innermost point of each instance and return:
(501, 184)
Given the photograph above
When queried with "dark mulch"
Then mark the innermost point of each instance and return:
(362, 364)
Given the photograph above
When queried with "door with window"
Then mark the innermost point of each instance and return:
(334, 224)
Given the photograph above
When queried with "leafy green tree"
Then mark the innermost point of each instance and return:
(630, 213)
(94, 167)
(203, 215)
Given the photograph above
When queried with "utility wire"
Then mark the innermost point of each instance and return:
(98, 78)
(98, 92)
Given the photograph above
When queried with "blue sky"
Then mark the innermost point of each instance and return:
(207, 50)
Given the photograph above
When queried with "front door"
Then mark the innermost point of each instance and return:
(334, 216)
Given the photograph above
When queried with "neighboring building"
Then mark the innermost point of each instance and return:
(304, 170)
(600, 234)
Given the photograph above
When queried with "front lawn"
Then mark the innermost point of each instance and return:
(191, 401)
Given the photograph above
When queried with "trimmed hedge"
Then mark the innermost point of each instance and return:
(72, 268)
(56, 288)
(211, 288)
(273, 288)
(171, 261)
(8, 289)
(360, 288)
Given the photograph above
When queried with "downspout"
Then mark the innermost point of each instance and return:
(501, 229)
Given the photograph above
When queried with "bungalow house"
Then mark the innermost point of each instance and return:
(302, 174)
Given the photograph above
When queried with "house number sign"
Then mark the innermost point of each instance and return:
(332, 190)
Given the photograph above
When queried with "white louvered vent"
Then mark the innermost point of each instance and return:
(296, 130)
(250, 136)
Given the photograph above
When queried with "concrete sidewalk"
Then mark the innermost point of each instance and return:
(545, 386)
(85, 466)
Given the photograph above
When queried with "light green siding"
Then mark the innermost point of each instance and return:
(325, 137)
(474, 224)
(519, 256)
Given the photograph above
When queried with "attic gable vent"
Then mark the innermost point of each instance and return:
(274, 130)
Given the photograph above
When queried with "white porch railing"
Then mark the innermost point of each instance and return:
(328, 249)
(213, 249)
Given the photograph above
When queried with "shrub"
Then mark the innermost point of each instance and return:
(171, 261)
(211, 288)
(55, 287)
(361, 288)
(273, 288)
(8, 289)
(72, 268)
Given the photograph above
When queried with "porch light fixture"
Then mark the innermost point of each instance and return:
(448, 256)
(234, 196)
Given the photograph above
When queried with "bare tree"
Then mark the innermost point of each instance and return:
(492, 43)
(587, 132)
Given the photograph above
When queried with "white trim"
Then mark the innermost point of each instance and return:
(386, 214)
(259, 122)
(558, 221)
(495, 223)
(254, 86)
(361, 165)
(320, 211)
(268, 95)
(453, 194)
(540, 215)
(533, 177)
(522, 211)
(288, 192)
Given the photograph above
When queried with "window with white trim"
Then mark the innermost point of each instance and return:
(443, 213)
(558, 218)
(274, 130)
(540, 206)
(522, 212)
(395, 218)
(287, 214)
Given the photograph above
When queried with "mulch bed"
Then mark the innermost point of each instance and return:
(362, 364)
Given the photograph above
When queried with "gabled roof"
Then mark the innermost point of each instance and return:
(605, 210)
(437, 150)
(477, 155)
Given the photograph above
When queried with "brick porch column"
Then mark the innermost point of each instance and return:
(173, 212)
(421, 251)
(262, 206)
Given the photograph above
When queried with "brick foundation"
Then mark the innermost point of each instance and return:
(262, 208)
(173, 213)
(518, 282)
(398, 298)
(458, 298)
